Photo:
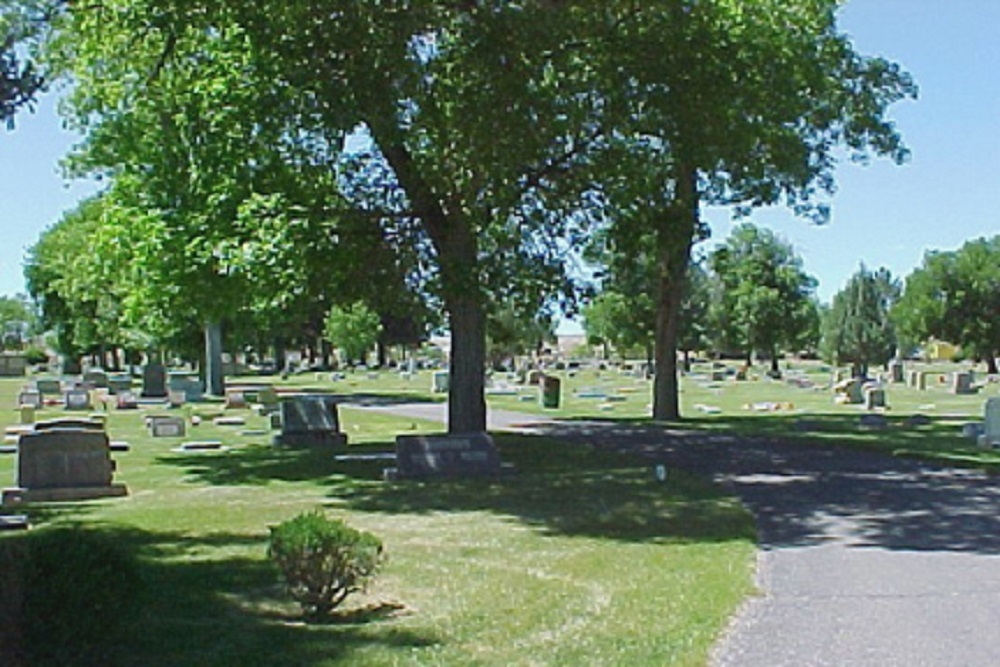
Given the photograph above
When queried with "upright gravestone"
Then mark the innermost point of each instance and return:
(96, 378)
(897, 371)
(457, 455)
(154, 380)
(310, 421)
(961, 383)
(63, 464)
(874, 397)
(49, 386)
(30, 397)
(119, 383)
(439, 382)
(991, 424)
(77, 399)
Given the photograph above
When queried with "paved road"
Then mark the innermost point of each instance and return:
(865, 559)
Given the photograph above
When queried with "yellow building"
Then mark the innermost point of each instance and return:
(939, 350)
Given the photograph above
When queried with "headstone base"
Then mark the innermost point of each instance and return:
(16, 495)
(311, 439)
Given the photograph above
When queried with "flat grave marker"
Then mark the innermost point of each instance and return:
(164, 426)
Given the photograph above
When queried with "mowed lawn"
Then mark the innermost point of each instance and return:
(581, 558)
(797, 408)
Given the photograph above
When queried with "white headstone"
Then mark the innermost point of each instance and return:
(991, 423)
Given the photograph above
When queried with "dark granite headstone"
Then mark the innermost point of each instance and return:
(310, 420)
(96, 378)
(457, 455)
(154, 381)
(49, 386)
(119, 383)
(84, 424)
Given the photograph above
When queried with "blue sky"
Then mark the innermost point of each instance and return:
(883, 215)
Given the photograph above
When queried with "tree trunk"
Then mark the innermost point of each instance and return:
(454, 239)
(214, 382)
(674, 239)
(466, 400)
(991, 364)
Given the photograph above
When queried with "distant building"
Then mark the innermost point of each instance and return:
(939, 350)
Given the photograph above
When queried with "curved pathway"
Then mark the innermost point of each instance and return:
(865, 559)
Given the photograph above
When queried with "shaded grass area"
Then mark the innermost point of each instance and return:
(580, 558)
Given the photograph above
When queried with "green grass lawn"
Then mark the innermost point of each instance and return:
(580, 558)
(805, 415)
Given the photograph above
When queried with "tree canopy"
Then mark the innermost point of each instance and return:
(857, 328)
(955, 296)
(766, 297)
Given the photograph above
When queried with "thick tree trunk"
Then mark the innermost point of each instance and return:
(454, 239)
(466, 400)
(674, 241)
(214, 382)
(991, 364)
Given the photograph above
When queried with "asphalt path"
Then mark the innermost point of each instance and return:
(865, 559)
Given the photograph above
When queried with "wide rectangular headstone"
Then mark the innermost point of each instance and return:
(77, 399)
(73, 423)
(96, 378)
(64, 458)
(13, 365)
(30, 397)
(453, 455)
(49, 386)
(191, 386)
(310, 420)
(119, 383)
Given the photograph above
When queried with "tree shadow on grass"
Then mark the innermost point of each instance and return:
(559, 488)
(254, 465)
(204, 601)
(825, 483)
(562, 489)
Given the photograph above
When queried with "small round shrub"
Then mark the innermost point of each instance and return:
(323, 560)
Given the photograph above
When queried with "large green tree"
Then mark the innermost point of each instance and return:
(744, 104)
(765, 302)
(443, 90)
(857, 329)
(955, 296)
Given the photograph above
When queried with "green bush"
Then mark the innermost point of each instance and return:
(323, 560)
(36, 355)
